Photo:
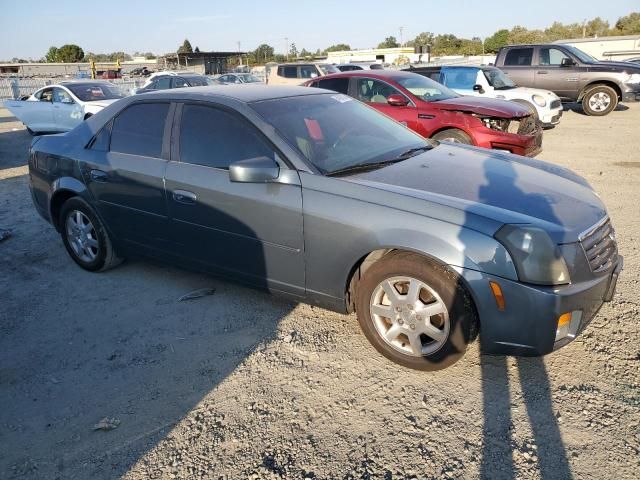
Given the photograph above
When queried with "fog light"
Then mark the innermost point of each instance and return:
(497, 294)
(568, 324)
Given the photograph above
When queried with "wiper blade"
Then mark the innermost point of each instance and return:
(363, 167)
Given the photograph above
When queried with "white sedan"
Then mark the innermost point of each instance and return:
(61, 107)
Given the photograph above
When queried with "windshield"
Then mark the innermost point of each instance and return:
(334, 131)
(426, 89)
(497, 79)
(328, 69)
(91, 92)
(582, 56)
(250, 79)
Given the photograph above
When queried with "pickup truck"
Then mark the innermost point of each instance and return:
(572, 75)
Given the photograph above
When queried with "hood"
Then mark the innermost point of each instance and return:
(502, 187)
(620, 66)
(483, 106)
(101, 103)
(532, 91)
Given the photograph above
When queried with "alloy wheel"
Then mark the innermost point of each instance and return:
(599, 102)
(82, 236)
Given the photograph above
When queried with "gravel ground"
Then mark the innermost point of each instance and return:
(239, 384)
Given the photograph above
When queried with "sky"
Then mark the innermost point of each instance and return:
(160, 26)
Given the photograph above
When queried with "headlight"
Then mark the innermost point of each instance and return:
(500, 124)
(538, 260)
(539, 100)
(632, 78)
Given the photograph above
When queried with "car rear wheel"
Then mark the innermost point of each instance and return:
(85, 238)
(415, 312)
(453, 135)
(599, 101)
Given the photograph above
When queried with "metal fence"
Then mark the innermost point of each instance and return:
(15, 88)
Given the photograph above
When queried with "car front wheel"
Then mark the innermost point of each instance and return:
(85, 238)
(599, 101)
(453, 135)
(414, 312)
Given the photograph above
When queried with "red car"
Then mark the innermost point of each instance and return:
(434, 111)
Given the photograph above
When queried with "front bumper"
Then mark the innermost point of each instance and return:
(527, 326)
(525, 145)
(553, 118)
(631, 97)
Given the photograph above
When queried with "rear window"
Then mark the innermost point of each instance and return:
(139, 130)
(519, 57)
(340, 85)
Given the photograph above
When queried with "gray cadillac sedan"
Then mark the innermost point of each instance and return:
(316, 196)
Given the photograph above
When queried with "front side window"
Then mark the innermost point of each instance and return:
(426, 89)
(333, 131)
(340, 85)
(308, 71)
(498, 80)
(216, 138)
(178, 82)
(162, 83)
(61, 96)
(463, 78)
(45, 95)
(373, 91)
(139, 130)
(552, 56)
(519, 57)
(328, 69)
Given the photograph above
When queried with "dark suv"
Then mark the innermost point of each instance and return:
(572, 75)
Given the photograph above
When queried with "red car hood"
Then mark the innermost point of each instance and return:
(483, 106)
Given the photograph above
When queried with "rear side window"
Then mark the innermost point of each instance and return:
(139, 130)
(215, 138)
(288, 72)
(519, 57)
(162, 83)
(340, 85)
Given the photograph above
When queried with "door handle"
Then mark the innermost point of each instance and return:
(542, 72)
(182, 196)
(98, 176)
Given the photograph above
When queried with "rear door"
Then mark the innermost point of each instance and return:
(67, 114)
(551, 75)
(518, 65)
(250, 231)
(124, 171)
(375, 93)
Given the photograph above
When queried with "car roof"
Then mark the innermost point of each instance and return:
(243, 93)
(380, 74)
(82, 82)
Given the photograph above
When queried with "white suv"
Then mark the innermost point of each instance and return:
(298, 73)
(485, 81)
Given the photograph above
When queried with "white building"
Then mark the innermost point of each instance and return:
(608, 48)
(400, 55)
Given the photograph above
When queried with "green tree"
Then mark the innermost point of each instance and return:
(197, 49)
(305, 54)
(628, 25)
(422, 39)
(496, 41)
(263, 53)
(52, 55)
(293, 51)
(389, 42)
(185, 47)
(338, 47)
(70, 53)
(597, 28)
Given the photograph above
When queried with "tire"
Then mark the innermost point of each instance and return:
(452, 312)
(531, 107)
(599, 101)
(453, 135)
(92, 249)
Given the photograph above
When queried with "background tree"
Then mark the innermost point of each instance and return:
(52, 55)
(70, 53)
(293, 51)
(263, 53)
(389, 42)
(628, 25)
(185, 47)
(422, 39)
(338, 47)
(499, 39)
(197, 49)
(305, 54)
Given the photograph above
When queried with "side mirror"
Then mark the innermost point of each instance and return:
(397, 100)
(314, 75)
(478, 88)
(567, 62)
(254, 170)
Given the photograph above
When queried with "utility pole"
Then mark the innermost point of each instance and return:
(286, 43)
(584, 28)
(239, 55)
(401, 29)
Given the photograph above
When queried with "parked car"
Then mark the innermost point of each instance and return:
(61, 107)
(572, 75)
(491, 82)
(237, 78)
(165, 82)
(141, 72)
(298, 73)
(349, 67)
(318, 197)
(435, 111)
(633, 60)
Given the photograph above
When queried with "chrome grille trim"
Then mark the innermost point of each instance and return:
(599, 246)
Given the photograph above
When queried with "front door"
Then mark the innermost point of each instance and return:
(124, 171)
(376, 92)
(250, 231)
(552, 75)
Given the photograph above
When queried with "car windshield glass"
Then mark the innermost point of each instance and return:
(582, 56)
(426, 89)
(250, 79)
(198, 81)
(90, 92)
(497, 79)
(328, 69)
(334, 131)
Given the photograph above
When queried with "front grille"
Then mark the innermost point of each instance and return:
(599, 245)
(556, 104)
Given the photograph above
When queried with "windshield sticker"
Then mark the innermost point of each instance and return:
(342, 98)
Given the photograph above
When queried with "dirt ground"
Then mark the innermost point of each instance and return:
(239, 384)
